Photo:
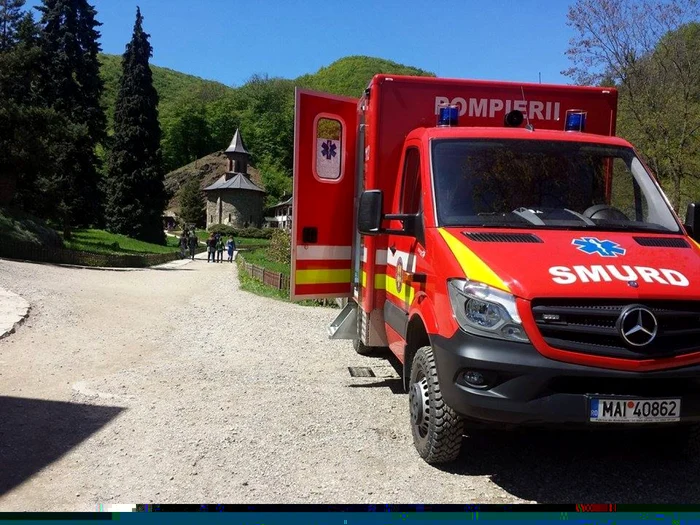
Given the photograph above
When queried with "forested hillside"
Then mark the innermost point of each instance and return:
(199, 117)
(350, 75)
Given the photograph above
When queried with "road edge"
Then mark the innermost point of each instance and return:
(14, 310)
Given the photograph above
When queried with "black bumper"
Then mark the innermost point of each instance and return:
(527, 388)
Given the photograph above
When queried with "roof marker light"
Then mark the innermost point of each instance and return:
(575, 120)
(448, 116)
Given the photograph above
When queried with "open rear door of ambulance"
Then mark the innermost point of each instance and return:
(323, 211)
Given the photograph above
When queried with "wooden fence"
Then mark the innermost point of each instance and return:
(274, 279)
(12, 249)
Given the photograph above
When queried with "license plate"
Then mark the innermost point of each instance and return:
(634, 410)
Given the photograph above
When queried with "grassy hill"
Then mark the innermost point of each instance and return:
(350, 75)
(170, 85)
(346, 76)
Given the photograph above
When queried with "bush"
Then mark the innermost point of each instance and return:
(256, 233)
(280, 248)
(248, 233)
(223, 229)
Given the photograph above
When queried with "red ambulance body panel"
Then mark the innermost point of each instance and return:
(544, 269)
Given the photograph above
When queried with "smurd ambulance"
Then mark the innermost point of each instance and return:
(519, 260)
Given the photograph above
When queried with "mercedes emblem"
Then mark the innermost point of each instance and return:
(637, 325)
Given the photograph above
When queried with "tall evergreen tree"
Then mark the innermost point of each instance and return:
(72, 86)
(29, 131)
(10, 17)
(135, 192)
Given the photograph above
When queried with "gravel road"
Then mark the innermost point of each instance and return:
(171, 385)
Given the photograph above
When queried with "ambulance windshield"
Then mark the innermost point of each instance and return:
(545, 184)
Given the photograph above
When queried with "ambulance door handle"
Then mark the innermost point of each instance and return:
(309, 235)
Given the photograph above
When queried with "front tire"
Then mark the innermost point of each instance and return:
(437, 429)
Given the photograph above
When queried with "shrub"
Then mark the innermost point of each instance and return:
(280, 248)
(223, 229)
(248, 233)
(256, 233)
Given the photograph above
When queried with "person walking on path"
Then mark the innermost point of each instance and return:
(183, 245)
(211, 248)
(193, 245)
(230, 247)
(220, 249)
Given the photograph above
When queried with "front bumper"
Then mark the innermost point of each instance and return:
(527, 388)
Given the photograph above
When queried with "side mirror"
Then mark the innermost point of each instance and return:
(369, 215)
(692, 220)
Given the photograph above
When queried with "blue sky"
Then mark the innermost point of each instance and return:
(230, 40)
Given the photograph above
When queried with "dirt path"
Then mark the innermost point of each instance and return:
(172, 385)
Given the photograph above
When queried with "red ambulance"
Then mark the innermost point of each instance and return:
(519, 260)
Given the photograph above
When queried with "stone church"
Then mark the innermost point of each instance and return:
(234, 199)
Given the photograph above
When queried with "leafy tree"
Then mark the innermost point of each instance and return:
(135, 193)
(649, 50)
(71, 85)
(276, 181)
(223, 117)
(191, 198)
(11, 16)
(186, 134)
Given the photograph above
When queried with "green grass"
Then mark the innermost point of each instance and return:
(259, 257)
(249, 284)
(252, 285)
(100, 241)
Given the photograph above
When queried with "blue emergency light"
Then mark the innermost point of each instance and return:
(448, 116)
(575, 120)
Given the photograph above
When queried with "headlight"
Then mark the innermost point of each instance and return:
(486, 311)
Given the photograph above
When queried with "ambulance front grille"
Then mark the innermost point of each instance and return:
(590, 326)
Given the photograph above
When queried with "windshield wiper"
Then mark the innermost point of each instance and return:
(630, 227)
(521, 225)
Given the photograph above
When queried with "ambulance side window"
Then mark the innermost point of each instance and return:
(411, 191)
(329, 143)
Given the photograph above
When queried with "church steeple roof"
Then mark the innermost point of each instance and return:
(237, 144)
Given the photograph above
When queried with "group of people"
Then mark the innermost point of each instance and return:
(188, 240)
(216, 245)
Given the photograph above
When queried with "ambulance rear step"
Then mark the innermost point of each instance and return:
(344, 326)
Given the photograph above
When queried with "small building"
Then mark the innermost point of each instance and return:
(280, 215)
(234, 199)
(169, 220)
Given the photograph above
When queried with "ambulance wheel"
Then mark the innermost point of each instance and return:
(363, 349)
(437, 429)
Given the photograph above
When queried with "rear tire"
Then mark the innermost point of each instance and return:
(358, 345)
(437, 429)
(363, 349)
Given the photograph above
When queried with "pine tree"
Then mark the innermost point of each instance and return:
(11, 16)
(191, 202)
(29, 131)
(135, 191)
(71, 85)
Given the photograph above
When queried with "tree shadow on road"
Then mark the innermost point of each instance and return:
(36, 432)
(551, 466)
